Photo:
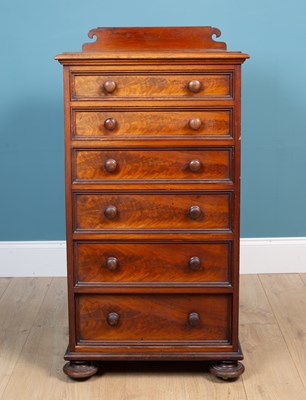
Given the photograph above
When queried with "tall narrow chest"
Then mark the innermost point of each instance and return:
(152, 138)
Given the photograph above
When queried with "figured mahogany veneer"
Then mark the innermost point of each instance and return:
(148, 38)
(152, 138)
(152, 262)
(97, 87)
(152, 211)
(108, 124)
(145, 164)
(153, 317)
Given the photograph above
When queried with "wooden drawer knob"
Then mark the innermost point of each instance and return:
(113, 319)
(195, 124)
(110, 165)
(195, 263)
(112, 263)
(194, 86)
(109, 86)
(193, 319)
(195, 165)
(110, 124)
(111, 212)
(195, 212)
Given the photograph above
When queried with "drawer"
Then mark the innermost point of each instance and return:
(153, 317)
(109, 124)
(104, 86)
(152, 262)
(152, 211)
(159, 164)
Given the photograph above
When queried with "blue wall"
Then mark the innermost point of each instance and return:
(31, 107)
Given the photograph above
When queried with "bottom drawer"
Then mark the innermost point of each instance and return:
(152, 317)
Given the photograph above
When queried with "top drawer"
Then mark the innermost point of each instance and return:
(111, 86)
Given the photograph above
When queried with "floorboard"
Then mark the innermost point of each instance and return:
(287, 296)
(270, 371)
(4, 282)
(19, 306)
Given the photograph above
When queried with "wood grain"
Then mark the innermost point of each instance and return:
(18, 308)
(151, 262)
(38, 369)
(4, 283)
(169, 381)
(290, 314)
(152, 211)
(53, 311)
(34, 358)
(138, 104)
(153, 317)
(254, 307)
(91, 87)
(140, 124)
(270, 372)
(154, 38)
(28, 294)
(145, 164)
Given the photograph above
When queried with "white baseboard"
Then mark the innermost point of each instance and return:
(273, 255)
(33, 258)
(258, 256)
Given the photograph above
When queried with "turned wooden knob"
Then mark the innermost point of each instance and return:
(195, 263)
(194, 86)
(193, 319)
(113, 319)
(110, 165)
(195, 212)
(112, 263)
(111, 212)
(110, 124)
(195, 124)
(109, 86)
(195, 165)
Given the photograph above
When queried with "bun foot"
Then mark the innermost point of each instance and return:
(226, 369)
(80, 369)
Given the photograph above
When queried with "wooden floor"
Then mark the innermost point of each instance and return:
(33, 338)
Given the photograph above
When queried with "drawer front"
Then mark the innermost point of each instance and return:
(103, 86)
(152, 211)
(161, 164)
(152, 262)
(153, 317)
(114, 124)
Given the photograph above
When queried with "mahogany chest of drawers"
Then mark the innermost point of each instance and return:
(152, 136)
